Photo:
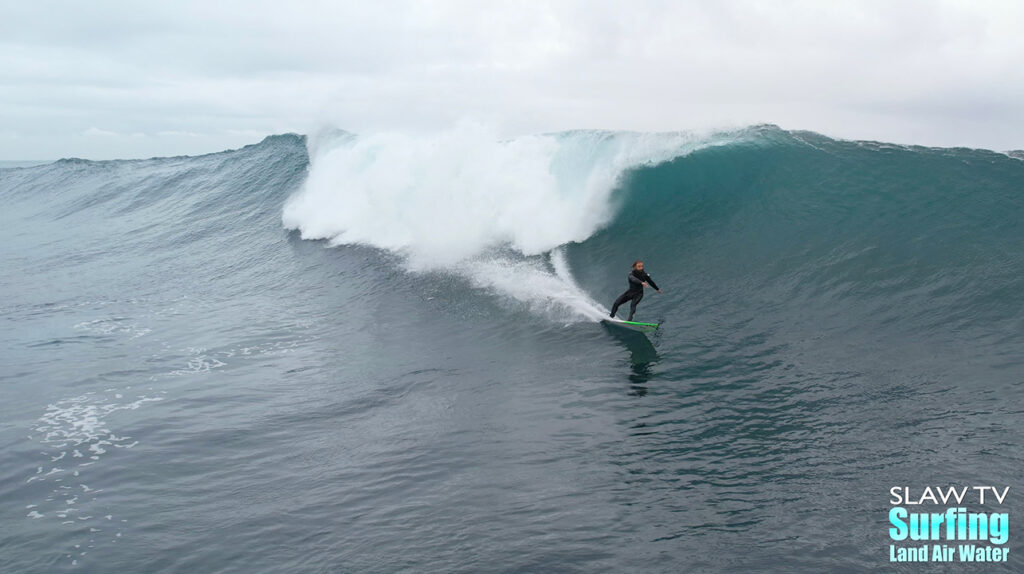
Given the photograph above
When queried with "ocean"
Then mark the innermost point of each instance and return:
(383, 353)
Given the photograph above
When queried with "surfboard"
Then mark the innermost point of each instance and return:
(632, 325)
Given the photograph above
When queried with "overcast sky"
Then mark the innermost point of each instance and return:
(132, 79)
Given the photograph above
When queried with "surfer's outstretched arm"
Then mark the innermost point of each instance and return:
(649, 281)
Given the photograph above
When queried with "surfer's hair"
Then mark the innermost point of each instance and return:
(637, 261)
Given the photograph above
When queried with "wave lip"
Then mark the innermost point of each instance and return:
(440, 199)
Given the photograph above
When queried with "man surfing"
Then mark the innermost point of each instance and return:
(638, 279)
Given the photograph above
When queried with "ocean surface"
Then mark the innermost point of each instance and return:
(383, 353)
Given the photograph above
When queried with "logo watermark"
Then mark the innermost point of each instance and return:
(950, 534)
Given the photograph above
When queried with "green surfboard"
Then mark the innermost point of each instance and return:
(632, 325)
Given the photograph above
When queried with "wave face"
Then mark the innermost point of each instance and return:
(389, 342)
(861, 235)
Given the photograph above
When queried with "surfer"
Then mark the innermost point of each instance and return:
(638, 279)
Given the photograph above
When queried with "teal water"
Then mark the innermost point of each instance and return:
(189, 385)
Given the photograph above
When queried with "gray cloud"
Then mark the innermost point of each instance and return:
(122, 79)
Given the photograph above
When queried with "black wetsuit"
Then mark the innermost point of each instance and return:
(635, 292)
